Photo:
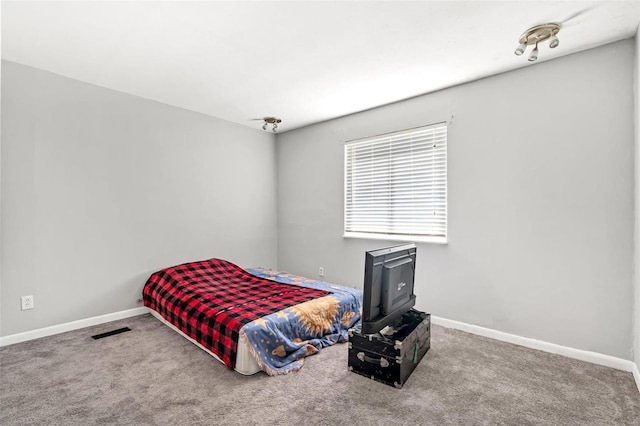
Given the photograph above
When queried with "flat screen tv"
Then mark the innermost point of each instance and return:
(388, 286)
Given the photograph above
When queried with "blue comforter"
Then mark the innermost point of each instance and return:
(281, 341)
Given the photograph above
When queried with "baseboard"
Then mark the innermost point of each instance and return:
(592, 357)
(636, 375)
(70, 326)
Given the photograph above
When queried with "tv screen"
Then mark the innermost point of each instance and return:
(389, 275)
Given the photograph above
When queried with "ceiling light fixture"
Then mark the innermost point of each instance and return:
(534, 54)
(535, 35)
(271, 120)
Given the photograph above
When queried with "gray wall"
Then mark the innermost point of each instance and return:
(100, 189)
(636, 257)
(540, 201)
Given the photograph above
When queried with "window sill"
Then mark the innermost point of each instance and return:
(400, 238)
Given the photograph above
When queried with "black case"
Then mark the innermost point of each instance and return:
(392, 358)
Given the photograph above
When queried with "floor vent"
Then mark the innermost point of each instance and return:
(110, 333)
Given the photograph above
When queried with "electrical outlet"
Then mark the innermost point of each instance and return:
(27, 302)
(321, 271)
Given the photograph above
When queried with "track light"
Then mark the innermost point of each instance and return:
(534, 54)
(535, 35)
(271, 120)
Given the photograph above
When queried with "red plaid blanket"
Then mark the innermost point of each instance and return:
(212, 299)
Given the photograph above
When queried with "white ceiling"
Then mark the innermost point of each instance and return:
(304, 62)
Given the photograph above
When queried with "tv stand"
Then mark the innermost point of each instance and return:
(391, 359)
(392, 329)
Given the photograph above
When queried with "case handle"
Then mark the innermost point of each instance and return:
(364, 358)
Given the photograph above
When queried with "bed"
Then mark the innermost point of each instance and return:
(254, 319)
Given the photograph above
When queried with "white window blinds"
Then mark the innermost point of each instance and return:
(396, 184)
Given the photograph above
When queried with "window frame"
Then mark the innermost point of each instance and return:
(435, 239)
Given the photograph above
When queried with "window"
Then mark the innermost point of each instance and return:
(396, 185)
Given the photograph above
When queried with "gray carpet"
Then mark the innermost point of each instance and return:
(151, 375)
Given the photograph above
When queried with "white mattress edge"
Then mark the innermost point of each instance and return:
(245, 362)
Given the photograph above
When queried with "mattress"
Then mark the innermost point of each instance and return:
(211, 300)
(254, 319)
(245, 362)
